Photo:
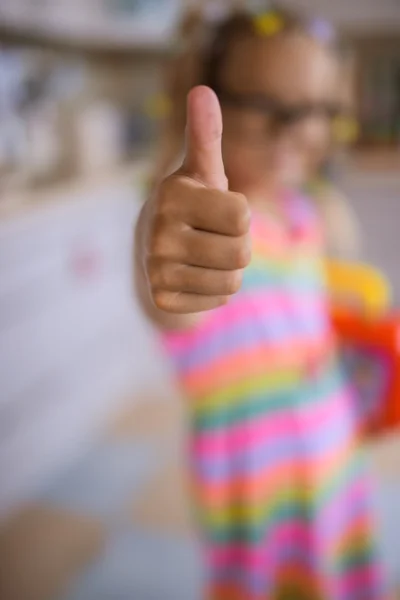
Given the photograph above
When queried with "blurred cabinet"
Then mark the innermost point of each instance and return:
(379, 89)
(72, 339)
(357, 15)
(128, 25)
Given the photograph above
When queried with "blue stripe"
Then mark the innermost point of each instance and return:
(296, 283)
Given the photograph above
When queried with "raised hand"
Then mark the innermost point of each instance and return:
(196, 239)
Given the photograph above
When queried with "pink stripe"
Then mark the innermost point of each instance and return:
(213, 444)
(239, 366)
(337, 403)
(254, 557)
(264, 484)
(277, 250)
(358, 579)
(256, 561)
(244, 306)
(270, 236)
(337, 521)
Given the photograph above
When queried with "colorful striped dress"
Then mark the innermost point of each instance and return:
(282, 498)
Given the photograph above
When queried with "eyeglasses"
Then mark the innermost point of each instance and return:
(279, 112)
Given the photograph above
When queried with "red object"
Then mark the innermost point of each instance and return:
(371, 353)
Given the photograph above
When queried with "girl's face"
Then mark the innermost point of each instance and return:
(277, 99)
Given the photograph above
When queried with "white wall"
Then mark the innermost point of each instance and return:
(376, 199)
(359, 14)
(72, 339)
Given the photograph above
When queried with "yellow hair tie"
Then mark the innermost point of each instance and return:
(158, 106)
(269, 24)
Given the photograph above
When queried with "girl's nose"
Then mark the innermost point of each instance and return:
(281, 124)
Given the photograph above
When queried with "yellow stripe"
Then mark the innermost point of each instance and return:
(247, 514)
(303, 263)
(235, 393)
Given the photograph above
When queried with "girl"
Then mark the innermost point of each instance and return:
(233, 277)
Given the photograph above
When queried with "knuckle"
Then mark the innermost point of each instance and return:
(242, 253)
(223, 300)
(164, 276)
(240, 214)
(159, 237)
(151, 272)
(169, 192)
(166, 189)
(234, 282)
(158, 275)
(163, 301)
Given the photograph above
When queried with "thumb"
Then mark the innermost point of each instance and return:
(203, 138)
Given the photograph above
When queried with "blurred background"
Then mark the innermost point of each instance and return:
(93, 501)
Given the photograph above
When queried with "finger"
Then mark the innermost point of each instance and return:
(174, 277)
(182, 303)
(203, 158)
(204, 249)
(225, 213)
(211, 210)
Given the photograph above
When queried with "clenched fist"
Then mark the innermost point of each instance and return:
(194, 233)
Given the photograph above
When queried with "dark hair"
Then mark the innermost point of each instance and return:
(242, 24)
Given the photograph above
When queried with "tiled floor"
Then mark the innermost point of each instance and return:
(124, 570)
(114, 526)
(43, 549)
(117, 524)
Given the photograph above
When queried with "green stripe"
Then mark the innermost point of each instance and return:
(275, 382)
(340, 479)
(302, 285)
(255, 533)
(238, 405)
(359, 558)
(245, 513)
(308, 260)
(244, 517)
(303, 277)
(257, 406)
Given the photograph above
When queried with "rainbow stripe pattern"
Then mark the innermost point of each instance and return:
(280, 488)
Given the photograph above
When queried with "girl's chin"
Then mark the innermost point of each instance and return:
(286, 167)
(269, 178)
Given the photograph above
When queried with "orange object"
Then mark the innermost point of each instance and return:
(371, 354)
